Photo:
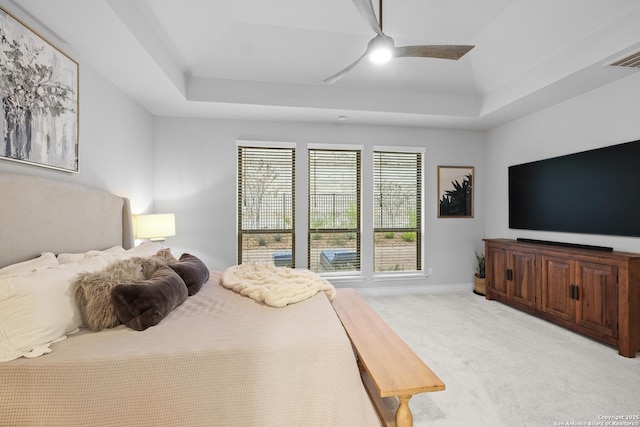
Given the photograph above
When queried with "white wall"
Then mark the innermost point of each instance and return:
(605, 116)
(196, 179)
(115, 137)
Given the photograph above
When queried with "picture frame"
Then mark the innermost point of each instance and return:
(39, 91)
(455, 191)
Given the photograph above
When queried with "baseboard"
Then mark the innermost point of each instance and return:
(417, 289)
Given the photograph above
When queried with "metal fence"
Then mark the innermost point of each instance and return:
(395, 211)
(329, 211)
(269, 212)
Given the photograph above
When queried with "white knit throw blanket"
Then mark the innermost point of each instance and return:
(275, 286)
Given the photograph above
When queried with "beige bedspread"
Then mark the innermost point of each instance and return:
(219, 359)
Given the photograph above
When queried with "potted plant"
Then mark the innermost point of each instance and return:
(480, 286)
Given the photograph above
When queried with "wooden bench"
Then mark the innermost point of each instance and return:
(391, 372)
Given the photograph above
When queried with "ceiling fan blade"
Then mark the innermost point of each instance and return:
(436, 51)
(365, 7)
(337, 76)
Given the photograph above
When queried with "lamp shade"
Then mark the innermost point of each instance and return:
(154, 227)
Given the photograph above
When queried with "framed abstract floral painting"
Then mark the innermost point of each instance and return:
(39, 90)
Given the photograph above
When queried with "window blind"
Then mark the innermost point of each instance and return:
(334, 210)
(397, 211)
(266, 205)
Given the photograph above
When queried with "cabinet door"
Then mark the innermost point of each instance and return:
(557, 278)
(597, 299)
(496, 269)
(523, 277)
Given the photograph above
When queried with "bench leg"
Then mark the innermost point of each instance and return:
(403, 414)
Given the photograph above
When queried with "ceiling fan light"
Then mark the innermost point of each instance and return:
(380, 55)
(380, 49)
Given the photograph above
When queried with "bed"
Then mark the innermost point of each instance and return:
(217, 359)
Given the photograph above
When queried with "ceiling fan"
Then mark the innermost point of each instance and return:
(381, 48)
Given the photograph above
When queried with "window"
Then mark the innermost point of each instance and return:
(334, 210)
(397, 186)
(266, 205)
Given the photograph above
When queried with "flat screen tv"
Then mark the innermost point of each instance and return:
(591, 192)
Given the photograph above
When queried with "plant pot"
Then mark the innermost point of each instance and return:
(480, 287)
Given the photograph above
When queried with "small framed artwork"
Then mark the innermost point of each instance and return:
(455, 191)
(39, 90)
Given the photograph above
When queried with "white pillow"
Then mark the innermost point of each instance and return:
(47, 259)
(40, 309)
(116, 253)
(114, 250)
(66, 258)
(145, 249)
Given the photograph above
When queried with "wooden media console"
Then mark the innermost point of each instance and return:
(593, 292)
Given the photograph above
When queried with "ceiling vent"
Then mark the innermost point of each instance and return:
(630, 61)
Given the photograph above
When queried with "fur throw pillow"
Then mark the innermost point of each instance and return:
(93, 290)
(165, 255)
(140, 305)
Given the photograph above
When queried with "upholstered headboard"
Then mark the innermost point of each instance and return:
(44, 215)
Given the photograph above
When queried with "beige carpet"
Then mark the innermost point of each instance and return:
(503, 367)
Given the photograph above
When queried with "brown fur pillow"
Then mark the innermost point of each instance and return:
(140, 305)
(93, 290)
(165, 255)
(149, 265)
(193, 272)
